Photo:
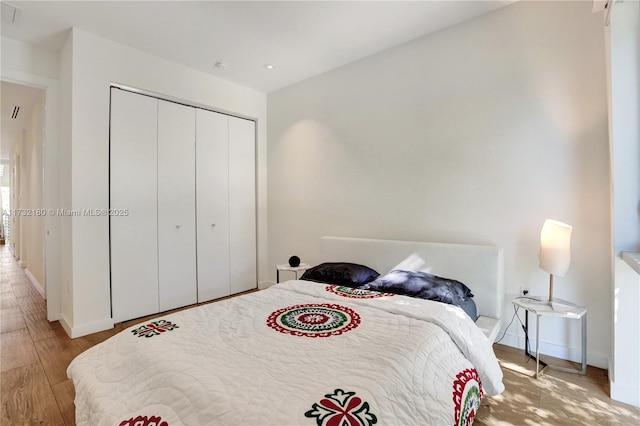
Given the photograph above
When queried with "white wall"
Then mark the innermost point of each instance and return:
(27, 58)
(32, 189)
(625, 126)
(96, 63)
(624, 69)
(63, 165)
(15, 184)
(474, 134)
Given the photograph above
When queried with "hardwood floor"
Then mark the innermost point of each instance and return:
(34, 356)
(25, 381)
(555, 398)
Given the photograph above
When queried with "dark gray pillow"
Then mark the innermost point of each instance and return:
(422, 285)
(340, 273)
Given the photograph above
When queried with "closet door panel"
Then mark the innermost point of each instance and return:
(242, 205)
(133, 186)
(176, 205)
(212, 195)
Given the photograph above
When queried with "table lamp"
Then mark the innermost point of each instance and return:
(555, 250)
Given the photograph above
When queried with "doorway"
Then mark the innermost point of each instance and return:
(22, 180)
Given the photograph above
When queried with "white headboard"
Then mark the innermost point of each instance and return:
(479, 267)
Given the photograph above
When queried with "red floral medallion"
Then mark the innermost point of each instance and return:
(144, 421)
(342, 408)
(467, 395)
(355, 293)
(154, 328)
(314, 320)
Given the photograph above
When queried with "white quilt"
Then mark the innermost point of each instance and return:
(299, 353)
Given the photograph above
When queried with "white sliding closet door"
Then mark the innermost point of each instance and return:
(242, 205)
(212, 195)
(176, 205)
(133, 186)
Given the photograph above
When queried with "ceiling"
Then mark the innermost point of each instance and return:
(301, 38)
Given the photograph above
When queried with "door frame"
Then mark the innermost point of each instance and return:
(50, 184)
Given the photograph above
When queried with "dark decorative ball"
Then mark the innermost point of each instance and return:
(294, 261)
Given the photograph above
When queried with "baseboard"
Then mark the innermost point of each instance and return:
(625, 393)
(265, 284)
(557, 351)
(35, 283)
(611, 374)
(85, 329)
(65, 324)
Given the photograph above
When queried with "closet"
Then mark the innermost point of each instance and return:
(185, 176)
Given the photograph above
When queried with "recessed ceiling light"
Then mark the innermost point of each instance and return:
(222, 65)
(269, 66)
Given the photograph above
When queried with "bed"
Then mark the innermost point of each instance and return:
(479, 266)
(308, 353)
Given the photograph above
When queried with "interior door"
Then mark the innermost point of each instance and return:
(212, 195)
(176, 205)
(133, 186)
(242, 205)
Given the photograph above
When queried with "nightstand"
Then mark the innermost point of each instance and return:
(558, 308)
(296, 269)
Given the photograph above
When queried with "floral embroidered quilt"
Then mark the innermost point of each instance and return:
(299, 353)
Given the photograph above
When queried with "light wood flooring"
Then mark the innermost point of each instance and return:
(35, 354)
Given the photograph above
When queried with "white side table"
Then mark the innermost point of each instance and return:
(558, 308)
(296, 269)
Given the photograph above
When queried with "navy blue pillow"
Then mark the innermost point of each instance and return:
(340, 273)
(423, 286)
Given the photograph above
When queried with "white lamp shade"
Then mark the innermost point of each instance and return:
(555, 247)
